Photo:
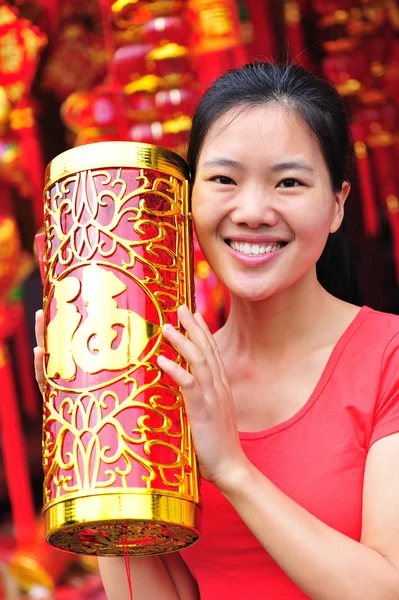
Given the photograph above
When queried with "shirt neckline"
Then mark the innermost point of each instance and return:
(320, 385)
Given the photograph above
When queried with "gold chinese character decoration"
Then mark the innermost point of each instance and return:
(216, 25)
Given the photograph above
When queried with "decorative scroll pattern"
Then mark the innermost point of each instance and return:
(116, 269)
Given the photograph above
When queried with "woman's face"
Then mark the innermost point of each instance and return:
(263, 205)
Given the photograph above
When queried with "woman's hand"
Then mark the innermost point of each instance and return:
(207, 397)
(38, 352)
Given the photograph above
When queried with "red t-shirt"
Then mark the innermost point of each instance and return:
(317, 457)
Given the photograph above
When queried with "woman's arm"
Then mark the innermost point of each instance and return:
(326, 564)
(165, 577)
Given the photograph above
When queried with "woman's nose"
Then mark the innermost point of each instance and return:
(254, 210)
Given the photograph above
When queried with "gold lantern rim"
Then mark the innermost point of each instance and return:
(115, 154)
(105, 516)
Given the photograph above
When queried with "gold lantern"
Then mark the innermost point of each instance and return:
(120, 469)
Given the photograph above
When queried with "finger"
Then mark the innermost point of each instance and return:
(193, 354)
(198, 336)
(194, 332)
(211, 340)
(202, 323)
(39, 328)
(193, 397)
(205, 329)
(39, 368)
(180, 375)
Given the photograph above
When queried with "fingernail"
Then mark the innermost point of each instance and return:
(162, 359)
(184, 309)
(168, 328)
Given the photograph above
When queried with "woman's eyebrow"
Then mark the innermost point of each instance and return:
(223, 162)
(292, 165)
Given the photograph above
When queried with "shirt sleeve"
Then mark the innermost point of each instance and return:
(386, 413)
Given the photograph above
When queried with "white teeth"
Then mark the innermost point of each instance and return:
(254, 249)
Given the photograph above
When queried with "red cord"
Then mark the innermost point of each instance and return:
(127, 567)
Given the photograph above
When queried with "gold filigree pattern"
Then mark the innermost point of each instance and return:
(117, 266)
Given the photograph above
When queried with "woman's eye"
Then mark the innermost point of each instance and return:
(223, 180)
(289, 183)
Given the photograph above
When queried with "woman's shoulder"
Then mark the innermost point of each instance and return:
(379, 327)
(384, 336)
(371, 340)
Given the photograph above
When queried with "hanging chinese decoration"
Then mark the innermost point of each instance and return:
(362, 61)
(79, 55)
(20, 46)
(149, 88)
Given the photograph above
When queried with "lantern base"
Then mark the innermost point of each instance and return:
(131, 522)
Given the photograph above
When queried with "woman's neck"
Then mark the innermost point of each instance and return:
(298, 319)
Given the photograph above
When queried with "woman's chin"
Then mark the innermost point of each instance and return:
(252, 293)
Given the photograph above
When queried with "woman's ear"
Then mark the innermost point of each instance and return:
(340, 199)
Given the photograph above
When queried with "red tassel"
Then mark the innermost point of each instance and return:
(392, 204)
(370, 212)
(210, 66)
(263, 45)
(369, 203)
(383, 159)
(109, 44)
(52, 16)
(294, 34)
(14, 455)
(23, 351)
(239, 56)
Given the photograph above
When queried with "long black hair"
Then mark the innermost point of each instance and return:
(321, 108)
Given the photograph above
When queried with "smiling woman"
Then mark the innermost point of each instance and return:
(279, 196)
(294, 403)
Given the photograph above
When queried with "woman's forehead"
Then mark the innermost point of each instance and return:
(269, 130)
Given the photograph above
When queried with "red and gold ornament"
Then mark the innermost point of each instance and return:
(20, 47)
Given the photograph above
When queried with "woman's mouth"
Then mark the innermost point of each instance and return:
(255, 249)
(251, 254)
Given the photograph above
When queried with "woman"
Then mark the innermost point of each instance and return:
(294, 403)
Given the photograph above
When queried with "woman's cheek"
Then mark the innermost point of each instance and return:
(206, 219)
